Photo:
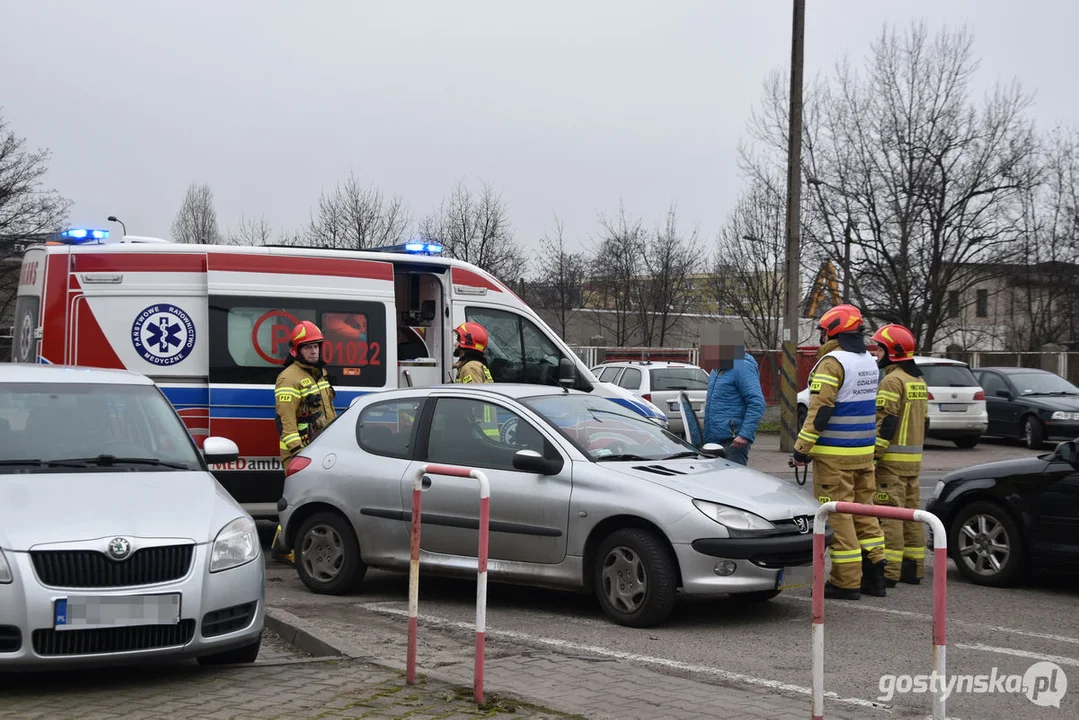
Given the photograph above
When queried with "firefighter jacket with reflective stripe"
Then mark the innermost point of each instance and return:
(904, 397)
(303, 405)
(472, 371)
(846, 382)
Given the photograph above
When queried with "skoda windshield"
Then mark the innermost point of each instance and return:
(606, 431)
(71, 427)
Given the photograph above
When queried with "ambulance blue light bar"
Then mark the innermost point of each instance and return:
(412, 248)
(76, 236)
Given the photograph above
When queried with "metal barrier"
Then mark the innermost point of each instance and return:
(481, 578)
(940, 576)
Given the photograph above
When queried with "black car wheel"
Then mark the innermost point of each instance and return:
(328, 554)
(635, 578)
(1033, 433)
(967, 441)
(986, 545)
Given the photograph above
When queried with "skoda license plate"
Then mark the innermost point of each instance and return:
(97, 611)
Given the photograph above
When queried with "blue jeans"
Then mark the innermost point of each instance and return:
(736, 455)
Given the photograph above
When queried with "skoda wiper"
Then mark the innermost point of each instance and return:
(37, 462)
(114, 460)
(620, 458)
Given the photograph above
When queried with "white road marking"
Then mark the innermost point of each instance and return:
(1058, 659)
(566, 645)
(929, 619)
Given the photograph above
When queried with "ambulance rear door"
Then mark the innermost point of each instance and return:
(26, 330)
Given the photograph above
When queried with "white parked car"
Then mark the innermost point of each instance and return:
(117, 545)
(659, 383)
(957, 410)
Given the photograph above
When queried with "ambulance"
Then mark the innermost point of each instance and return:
(210, 325)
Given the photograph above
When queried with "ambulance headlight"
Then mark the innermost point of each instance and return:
(237, 544)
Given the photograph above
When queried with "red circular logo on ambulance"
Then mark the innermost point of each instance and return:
(271, 333)
(163, 334)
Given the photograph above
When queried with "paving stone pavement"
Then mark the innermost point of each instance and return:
(292, 689)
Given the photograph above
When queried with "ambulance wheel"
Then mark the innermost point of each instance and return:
(328, 555)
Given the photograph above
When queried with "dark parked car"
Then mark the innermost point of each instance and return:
(1031, 405)
(1007, 518)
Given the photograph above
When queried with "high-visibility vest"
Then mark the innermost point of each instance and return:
(852, 428)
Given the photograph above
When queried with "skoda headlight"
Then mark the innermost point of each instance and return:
(236, 544)
(5, 570)
(733, 517)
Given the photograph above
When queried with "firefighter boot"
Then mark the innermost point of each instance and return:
(837, 593)
(873, 582)
(909, 572)
(277, 550)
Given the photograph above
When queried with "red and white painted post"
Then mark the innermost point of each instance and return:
(940, 597)
(481, 577)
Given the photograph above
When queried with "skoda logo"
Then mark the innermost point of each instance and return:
(119, 548)
(802, 523)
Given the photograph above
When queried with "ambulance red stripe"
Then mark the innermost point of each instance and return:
(296, 265)
(138, 262)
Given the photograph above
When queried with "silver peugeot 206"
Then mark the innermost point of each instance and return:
(585, 495)
(117, 545)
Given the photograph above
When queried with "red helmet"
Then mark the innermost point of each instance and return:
(896, 341)
(471, 336)
(841, 319)
(305, 333)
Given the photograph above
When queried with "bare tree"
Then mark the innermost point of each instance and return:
(196, 221)
(928, 179)
(354, 217)
(669, 257)
(250, 232)
(476, 229)
(616, 269)
(749, 271)
(29, 212)
(560, 283)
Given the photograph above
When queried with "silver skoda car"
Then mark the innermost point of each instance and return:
(585, 495)
(116, 543)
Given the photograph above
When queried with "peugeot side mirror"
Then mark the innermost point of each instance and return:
(531, 461)
(219, 450)
(714, 450)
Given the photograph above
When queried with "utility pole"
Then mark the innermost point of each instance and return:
(789, 367)
(846, 261)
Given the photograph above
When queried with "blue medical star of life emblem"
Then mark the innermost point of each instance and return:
(163, 334)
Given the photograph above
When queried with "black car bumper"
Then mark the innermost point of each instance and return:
(773, 551)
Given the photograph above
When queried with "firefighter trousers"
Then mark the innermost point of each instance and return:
(833, 479)
(897, 486)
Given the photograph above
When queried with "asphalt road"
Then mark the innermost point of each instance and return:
(989, 630)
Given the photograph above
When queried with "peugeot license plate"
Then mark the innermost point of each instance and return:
(953, 407)
(83, 611)
(796, 576)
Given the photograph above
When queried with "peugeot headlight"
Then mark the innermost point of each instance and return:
(5, 570)
(733, 517)
(236, 544)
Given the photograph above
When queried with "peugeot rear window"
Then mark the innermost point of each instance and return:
(948, 376)
(679, 379)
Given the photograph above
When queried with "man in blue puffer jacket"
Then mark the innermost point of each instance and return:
(735, 403)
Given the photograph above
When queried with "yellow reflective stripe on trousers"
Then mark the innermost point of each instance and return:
(846, 556)
(914, 553)
(872, 542)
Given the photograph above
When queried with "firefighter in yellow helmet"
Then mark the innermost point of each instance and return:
(303, 404)
(902, 405)
(838, 438)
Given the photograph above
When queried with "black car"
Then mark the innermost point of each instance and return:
(1007, 518)
(1028, 404)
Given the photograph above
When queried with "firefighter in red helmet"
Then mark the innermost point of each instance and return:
(469, 342)
(838, 437)
(902, 405)
(303, 405)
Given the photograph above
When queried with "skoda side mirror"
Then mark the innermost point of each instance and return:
(218, 450)
(714, 450)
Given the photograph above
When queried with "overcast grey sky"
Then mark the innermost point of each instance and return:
(564, 107)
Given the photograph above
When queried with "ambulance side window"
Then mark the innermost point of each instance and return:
(518, 351)
(251, 336)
